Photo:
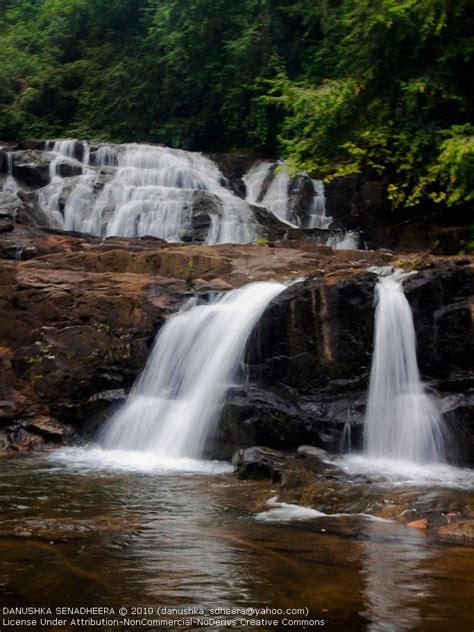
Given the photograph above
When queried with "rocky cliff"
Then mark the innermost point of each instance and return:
(80, 313)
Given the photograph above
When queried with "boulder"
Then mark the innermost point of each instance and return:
(10, 205)
(31, 167)
(259, 463)
(50, 428)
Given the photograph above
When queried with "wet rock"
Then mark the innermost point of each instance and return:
(7, 227)
(253, 415)
(462, 530)
(316, 332)
(312, 451)
(7, 410)
(50, 428)
(31, 167)
(68, 170)
(300, 198)
(3, 161)
(233, 168)
(440, 299)
(30, 143)
(86, 312)
(204, 205)
(259, 463)
(10, 205)
(20, 440)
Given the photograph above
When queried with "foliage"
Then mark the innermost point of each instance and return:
(376, 88)
(396, 101)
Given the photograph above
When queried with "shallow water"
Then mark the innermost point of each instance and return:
(78, 530)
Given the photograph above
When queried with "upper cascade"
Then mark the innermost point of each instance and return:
(137, 190)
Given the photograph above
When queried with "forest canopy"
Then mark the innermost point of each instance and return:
(381, 87)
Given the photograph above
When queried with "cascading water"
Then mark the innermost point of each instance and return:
(135, 190)
(275, 197)
(10, 185)
(197, 355)
(402, 420)
(268, 185)
(317, 217)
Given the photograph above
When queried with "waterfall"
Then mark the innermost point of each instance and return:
(402, 420)
(268, 184)
(274, 196)
(52, 197)
(10, 185)
(317, 215)
(134, 190)
(197, 356)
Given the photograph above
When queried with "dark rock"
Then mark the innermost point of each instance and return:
(300, 198)
(50, 428)
(7, 227)
(310, 450)
(31, 167)
(270, 227)
(440, 302)
(458, 418)
(204, 206)
(30, 143)
(10, 205)
(233, 168)
(7, 411)
(253, 415)
(314, 333)
(67, 169)
(259, 463)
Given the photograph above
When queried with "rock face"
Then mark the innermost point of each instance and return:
(71, 342)
(311, 357)
(361, 203)
(80, 314)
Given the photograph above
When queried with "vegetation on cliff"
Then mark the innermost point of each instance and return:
(379, 88)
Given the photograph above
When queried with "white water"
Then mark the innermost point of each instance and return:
(275, 198)
(318, 217)
(402, 421)
(197, 355)
(268, 185)
(135, 190)
(10, 185)
(287, 512)
(402, 473)
(345, 444)
(96, 458)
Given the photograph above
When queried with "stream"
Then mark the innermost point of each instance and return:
(80, 529)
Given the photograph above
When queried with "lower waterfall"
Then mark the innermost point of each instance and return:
(197, 356)
(402, 420)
